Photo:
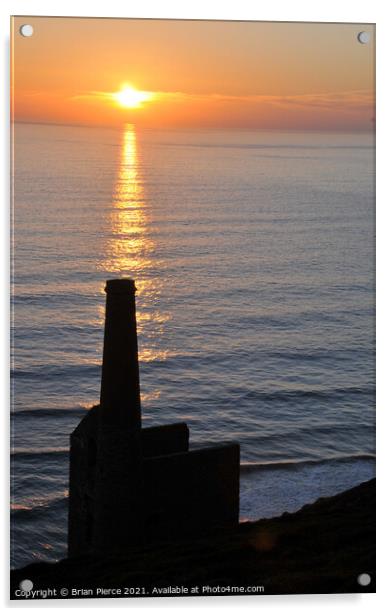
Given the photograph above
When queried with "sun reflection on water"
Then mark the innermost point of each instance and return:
(130, 248)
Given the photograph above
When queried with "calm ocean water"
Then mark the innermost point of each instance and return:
(253, 254)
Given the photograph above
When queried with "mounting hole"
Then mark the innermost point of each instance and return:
(363, 38)
(26, 585)
(26, 30)
(364, 579)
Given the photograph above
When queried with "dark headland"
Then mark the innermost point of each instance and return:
(322, 548)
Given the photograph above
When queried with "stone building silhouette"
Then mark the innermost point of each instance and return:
(130, 485)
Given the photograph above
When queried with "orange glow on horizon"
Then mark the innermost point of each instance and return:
(193, 74)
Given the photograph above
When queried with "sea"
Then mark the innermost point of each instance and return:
(254, 259)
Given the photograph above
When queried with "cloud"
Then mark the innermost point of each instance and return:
(359, 99)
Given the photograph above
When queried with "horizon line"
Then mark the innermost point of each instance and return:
(186, 128)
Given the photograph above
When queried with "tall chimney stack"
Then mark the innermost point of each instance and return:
(118, 478)
(120, 387)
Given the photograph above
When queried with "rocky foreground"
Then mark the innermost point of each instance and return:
(322, 548)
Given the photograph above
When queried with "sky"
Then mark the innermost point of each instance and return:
(193, 74)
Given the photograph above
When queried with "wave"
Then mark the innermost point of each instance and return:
(321, 394)
(281, 395)
(51, 412)
(246, 467)
(249, 467)
(26, 454)
(268, 146)
(29, 511)
(50, 371)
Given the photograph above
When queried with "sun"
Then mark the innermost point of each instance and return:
(131, 98)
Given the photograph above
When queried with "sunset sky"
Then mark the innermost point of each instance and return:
(168, 74)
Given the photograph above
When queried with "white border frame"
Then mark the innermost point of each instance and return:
(277, 10)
